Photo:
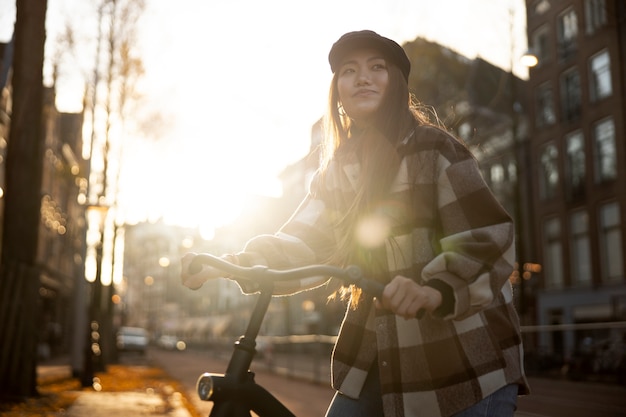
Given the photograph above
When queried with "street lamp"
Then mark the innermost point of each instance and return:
(149, 298)
(529, 59)
(522, 184)
(96, 216)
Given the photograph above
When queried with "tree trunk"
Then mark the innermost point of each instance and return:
(19, 276)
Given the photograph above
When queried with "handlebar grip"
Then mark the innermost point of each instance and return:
(376, 288)
(195, 266)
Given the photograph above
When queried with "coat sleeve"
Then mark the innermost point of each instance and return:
(477, 236)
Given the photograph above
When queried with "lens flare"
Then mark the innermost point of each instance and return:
(372, 231)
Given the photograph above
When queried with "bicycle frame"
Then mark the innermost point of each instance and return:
(235, 393)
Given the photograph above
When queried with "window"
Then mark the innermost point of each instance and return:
(512, 171)
(604, 146)
(567, 33)
(541, 44)
(549, 175)
(570, 95)
(595, 15)
(600, 76)
(580, 248)
(611, 243)
(541, 6)
(545, 106)
(575, 165)
(497, 174)
(553, 254)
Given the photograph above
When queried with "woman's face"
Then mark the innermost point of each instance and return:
(361, 83)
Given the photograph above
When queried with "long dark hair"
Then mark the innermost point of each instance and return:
(396, 119)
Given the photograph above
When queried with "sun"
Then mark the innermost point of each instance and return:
(196, 182)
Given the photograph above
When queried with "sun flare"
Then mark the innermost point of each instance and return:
(241, 92)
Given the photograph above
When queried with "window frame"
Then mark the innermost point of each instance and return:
(595, 16)
(605, 159)
(541, 45)
(553, 254)
(571, 94)
(611, 250)
(549, 177)
(544, 99)
(575, 165)
(580, 249)
(567, 33)
(597, 75)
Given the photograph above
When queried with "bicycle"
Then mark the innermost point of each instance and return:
(235, 392)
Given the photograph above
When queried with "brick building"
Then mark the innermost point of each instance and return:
(578, 169)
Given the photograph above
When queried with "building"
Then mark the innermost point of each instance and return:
(60, 251)
(578, 170)
(151, 294)
(62, 228)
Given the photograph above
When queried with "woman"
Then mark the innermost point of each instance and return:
(405, 200)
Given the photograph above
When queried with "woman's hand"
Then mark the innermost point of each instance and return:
(195, 281)
(405, 297)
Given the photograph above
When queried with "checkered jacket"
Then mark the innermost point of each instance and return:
(446, 230)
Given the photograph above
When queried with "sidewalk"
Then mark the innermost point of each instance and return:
(96, 404)
(152, 393)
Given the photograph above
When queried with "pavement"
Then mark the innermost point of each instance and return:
(304, 390)
(95, 404)
(122, 404)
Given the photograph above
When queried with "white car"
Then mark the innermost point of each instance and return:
(132, 339)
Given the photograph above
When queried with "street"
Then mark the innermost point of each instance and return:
(303, 398)
(557, 398)
(549, 398)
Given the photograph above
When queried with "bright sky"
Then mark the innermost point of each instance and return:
(240, 82)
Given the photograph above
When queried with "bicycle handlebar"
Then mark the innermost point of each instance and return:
(350, 275)
(235, 393)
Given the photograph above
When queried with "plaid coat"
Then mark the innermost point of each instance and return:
(446, 230)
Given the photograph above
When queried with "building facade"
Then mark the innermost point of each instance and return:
(60, 254)
(578, 171)
(60, 251)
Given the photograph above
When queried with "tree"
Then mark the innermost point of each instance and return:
(19, 275)
(121, 71)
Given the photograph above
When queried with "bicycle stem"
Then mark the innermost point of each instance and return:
(245, 347)
(239, 380)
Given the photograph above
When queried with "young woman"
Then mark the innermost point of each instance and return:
(403, 199)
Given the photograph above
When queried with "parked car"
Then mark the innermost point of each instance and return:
(132, 339)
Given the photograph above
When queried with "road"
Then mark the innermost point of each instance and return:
(303, 398)
(556, 398)
(550, 397)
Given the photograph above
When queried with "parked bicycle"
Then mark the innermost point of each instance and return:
(235, 392)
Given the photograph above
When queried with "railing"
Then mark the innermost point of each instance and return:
(304, 357)
(307, 357)
(574, 326)
(578, 351)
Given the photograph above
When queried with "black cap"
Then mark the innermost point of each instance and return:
(369, 39)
